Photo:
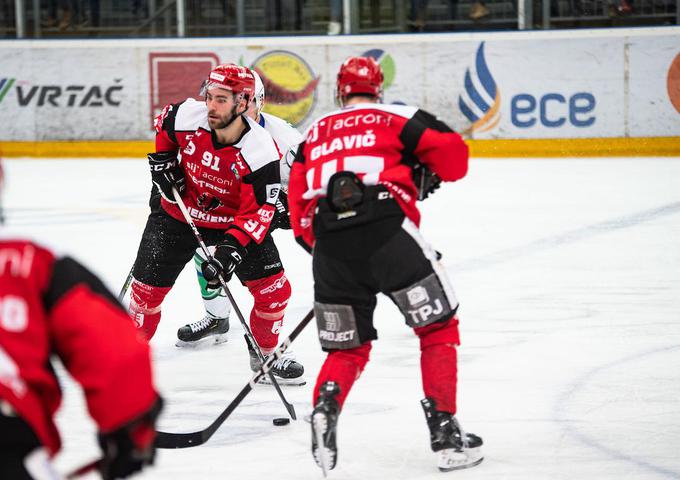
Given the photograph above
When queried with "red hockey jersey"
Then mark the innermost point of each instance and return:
(380, 143)
(55, 306)
(231, 187)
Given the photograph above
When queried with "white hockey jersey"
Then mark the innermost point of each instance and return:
(287, 138)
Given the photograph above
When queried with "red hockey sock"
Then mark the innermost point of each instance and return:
(145, 306)
(343, 367)
(271, 296)
(438, 362)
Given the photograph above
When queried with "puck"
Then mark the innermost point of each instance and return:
(281, 421)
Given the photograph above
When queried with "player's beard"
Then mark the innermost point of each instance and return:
(224, 122)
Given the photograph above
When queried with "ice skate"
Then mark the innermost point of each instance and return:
(206, 331)
(455, 449)
(287, 370)
(324, 425)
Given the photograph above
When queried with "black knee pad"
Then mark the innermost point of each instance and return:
(337, 324)
(424, 302)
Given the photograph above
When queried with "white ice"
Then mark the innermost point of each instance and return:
(568, 274)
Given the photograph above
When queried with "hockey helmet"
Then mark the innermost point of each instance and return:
(359, 75)
(259, 91)
(235, 78)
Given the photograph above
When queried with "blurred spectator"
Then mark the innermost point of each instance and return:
(623, 8)
(274, 15)
(419, 13)
(479, 10)
(53, 7)
(91, 19)
(335, 24)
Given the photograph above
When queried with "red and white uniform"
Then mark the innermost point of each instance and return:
(243, 177)
(380, 144)
(51, 306)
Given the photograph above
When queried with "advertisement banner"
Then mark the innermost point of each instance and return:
(654, 87)
(589, 84)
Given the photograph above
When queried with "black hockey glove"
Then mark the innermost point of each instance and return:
(282, 215)
(228, 255)
(166, 172)
(131, 447)
(426, 180)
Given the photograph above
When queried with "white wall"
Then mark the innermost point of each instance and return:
(557, 84)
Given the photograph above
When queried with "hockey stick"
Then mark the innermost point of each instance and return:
(289, 407)
(126, 285)
(193, 439)
(85, 469)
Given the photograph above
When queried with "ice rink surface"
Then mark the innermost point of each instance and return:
(568, 274)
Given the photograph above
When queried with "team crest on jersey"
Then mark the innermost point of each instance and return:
(234, 170)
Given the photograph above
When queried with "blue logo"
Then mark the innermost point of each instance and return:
(482, 99)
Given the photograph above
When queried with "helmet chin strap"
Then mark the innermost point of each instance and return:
(235, 115)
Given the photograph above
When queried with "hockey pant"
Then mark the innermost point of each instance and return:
(438, 362)
(167, 245)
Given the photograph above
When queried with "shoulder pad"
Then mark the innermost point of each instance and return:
(257, 146)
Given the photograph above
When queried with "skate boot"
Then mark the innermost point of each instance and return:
(287, 370)
(455, 448)
(212, 330)
(324, 426)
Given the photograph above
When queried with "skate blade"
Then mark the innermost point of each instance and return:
(288, 382)
(203, 342)
(322, 454)
(451, 459)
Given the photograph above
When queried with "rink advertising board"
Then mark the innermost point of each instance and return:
(615, 91)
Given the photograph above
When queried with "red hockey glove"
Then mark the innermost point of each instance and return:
(131, 447)
(166, 172)
(228, 255)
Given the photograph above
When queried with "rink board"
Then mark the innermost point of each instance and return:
(578, 87)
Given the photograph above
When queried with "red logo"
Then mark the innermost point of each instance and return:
(673, 82)
(177, 76)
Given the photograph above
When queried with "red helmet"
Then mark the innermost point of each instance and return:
(234, 78)
(359, 75)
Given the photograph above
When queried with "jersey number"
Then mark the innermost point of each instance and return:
(318, 176)
(211, 161)
(13, 313)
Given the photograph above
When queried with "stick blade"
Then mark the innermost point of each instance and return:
(178, 440)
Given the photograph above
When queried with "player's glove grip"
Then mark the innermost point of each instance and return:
(426, 180)
(166, 172)
(228, 255)
(131, 447)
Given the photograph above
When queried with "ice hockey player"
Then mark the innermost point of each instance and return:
(229, 179)
(52, 305)
(217, 308)
(353, 191)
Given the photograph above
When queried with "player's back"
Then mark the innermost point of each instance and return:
(363, 138)
(25, 271)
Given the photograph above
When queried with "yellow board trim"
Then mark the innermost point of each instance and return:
(577, 147)
(524, 148)
(80, 149)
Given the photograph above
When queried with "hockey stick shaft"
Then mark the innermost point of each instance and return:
(194, 439)
(84, 470)
(289, 407)
(126, 285)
